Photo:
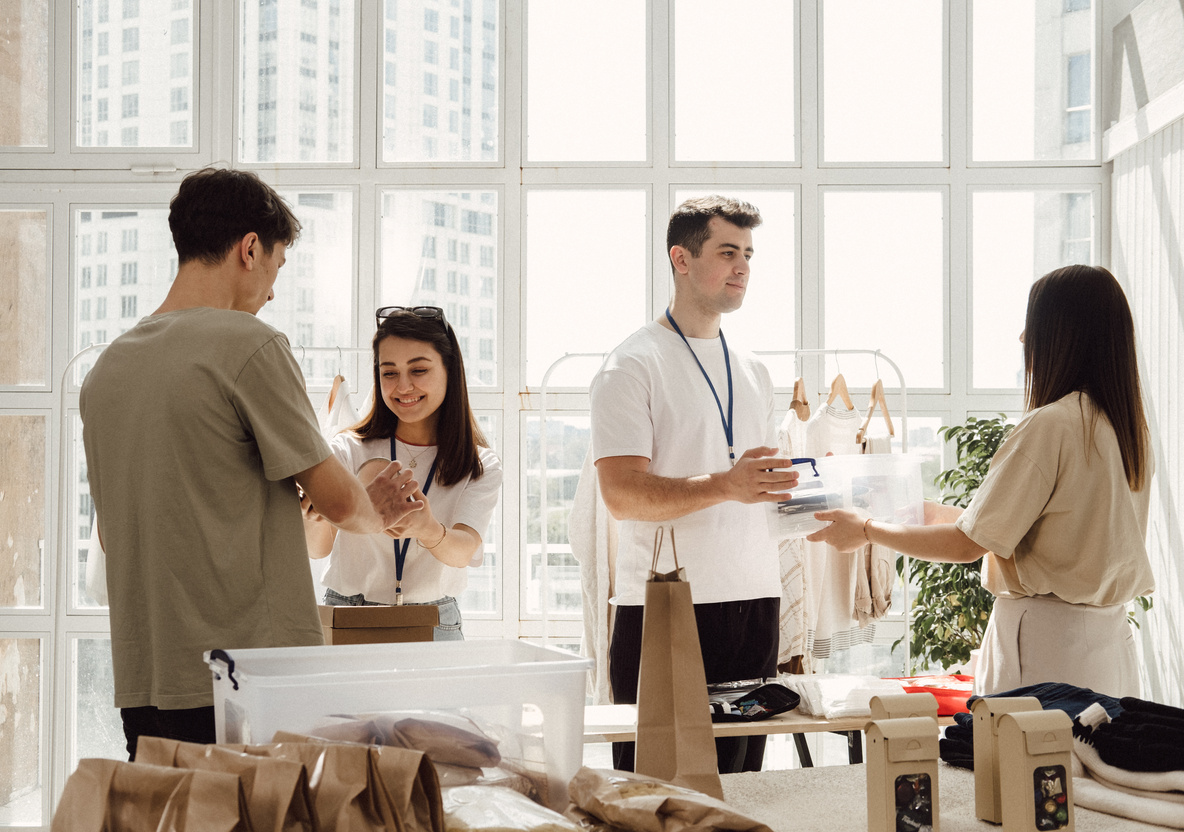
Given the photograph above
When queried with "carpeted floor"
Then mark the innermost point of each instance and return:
(834, 799)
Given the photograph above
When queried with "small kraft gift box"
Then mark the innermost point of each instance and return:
(1035, 777)
(902, 775)
(903, 705)
(379, 624)
(987, 712)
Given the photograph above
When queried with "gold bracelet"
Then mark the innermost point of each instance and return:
(438, 542)
(865, 537)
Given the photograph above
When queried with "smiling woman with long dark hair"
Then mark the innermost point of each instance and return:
(422, 418)
(1061, 518)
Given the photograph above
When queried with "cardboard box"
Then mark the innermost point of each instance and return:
(904, 705)
(1035, 774)
(378, 625)
(902, 775)
(987, 713)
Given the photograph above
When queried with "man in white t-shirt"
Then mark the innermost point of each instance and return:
(683, 435)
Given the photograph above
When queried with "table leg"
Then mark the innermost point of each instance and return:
(799, 740)
(854, 747)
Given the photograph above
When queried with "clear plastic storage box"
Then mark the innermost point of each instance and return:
(887, 487)
(536, 692)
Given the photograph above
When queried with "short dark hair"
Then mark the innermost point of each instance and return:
(216, 207)
(1079, 336)
(688, 226)
(457, 434)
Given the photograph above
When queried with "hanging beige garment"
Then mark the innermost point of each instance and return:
(876, 574)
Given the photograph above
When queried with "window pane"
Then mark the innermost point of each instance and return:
(22, 510)
(124, 263)
(20, 733)
(482, 597)
(23, 297)
(883, 271)
(98, 729)
(296, 81)
(1018, 236)
(80, 519)
(586, 103)
(766, 320)
(24, 75)
(569, 436)
(440, 75)
(121, 62)
(762, 124)
(313, 302)
(580, 303)
(1032, 80)
(438, 249)
(882, 81)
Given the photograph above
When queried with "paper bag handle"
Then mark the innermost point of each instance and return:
(659, 533)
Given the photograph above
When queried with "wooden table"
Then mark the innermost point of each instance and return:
(618, 723)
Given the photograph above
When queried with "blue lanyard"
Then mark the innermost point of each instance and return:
(727, 420)
(401, 551)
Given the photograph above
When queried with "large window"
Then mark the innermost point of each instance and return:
(917, 166)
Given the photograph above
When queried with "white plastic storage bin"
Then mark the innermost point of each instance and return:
(535, 691)
(885, 486)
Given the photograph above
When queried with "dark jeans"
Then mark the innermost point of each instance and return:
(738, 640)
(185, 724)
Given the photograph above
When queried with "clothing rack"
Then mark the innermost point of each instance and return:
(877, 355)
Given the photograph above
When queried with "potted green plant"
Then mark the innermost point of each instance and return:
(950, 608)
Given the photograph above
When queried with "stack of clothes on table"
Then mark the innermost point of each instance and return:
(1128, 754)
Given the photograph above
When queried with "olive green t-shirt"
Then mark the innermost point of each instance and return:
(194, 423)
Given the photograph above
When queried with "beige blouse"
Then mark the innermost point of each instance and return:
(1057, 514)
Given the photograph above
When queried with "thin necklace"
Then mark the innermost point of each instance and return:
(414, 457)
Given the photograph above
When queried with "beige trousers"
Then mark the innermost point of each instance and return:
(1045, 639)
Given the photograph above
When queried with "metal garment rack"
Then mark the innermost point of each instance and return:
(877, 355)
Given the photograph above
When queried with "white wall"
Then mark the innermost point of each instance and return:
(1146, 252)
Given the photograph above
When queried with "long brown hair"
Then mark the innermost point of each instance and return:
(1080, 337)
(457, 434)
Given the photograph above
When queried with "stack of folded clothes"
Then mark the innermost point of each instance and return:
(1134, 763)
(1128, 754)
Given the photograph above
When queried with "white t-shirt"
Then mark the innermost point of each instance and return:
(1060, 519)
(366, 563)
(650, 400)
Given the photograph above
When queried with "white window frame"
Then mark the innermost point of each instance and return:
(62, 177)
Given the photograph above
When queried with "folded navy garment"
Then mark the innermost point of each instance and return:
(957, 746)
(1146, 736)
(1064, 697)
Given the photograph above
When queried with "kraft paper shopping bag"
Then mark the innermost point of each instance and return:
(675, 740)
(109, 795)
(276, 791)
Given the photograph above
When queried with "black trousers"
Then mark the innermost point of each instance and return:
(739, 641)
(185, 724)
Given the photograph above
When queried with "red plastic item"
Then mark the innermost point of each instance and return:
(951, 691)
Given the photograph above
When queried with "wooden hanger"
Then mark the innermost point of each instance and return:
(337, 380)
(838, 390)
(876, 398)
(801, 403)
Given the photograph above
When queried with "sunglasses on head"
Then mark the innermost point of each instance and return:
(431, 313)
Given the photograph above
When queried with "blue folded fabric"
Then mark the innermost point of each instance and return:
(957, 746)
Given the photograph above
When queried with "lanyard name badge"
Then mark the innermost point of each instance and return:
(726, 420)
(401, 551)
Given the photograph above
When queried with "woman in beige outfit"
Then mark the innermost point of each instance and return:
(1061, 518)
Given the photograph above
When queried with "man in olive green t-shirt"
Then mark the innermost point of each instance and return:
(197, 429)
